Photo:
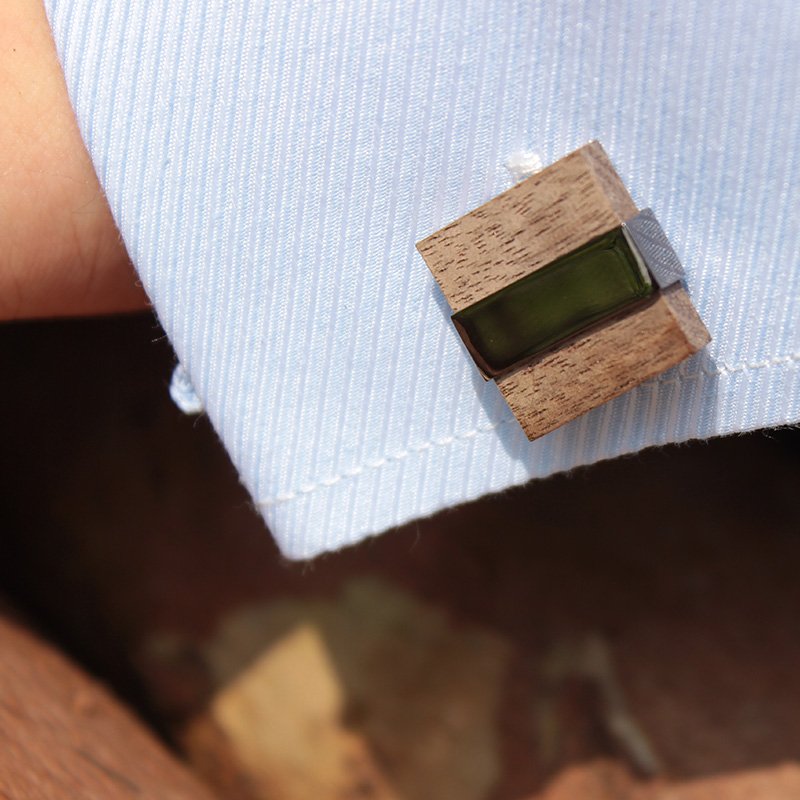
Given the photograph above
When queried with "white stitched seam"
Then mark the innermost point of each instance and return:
(448, 440)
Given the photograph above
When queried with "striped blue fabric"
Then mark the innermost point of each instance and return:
(271, 165)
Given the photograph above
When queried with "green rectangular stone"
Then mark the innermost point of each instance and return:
(554, 303)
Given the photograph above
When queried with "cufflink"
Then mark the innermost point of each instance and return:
(564, 292)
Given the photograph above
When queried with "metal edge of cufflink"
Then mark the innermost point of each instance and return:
(649, 238)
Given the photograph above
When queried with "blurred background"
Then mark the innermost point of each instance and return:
(630, 630)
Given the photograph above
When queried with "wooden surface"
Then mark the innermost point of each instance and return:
(605, 780)
(63, 736)
(525, 228)
(602, 363)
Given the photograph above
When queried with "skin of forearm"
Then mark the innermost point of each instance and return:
(60, 251)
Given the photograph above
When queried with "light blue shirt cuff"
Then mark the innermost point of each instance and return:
(271, 165)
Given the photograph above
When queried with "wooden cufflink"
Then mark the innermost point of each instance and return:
(564, 292)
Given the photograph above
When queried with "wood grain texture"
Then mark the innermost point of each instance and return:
(523, 229)
(603, 363)
(527, 227)
(63, 736)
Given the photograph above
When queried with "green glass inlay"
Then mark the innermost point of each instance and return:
(554, 303)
